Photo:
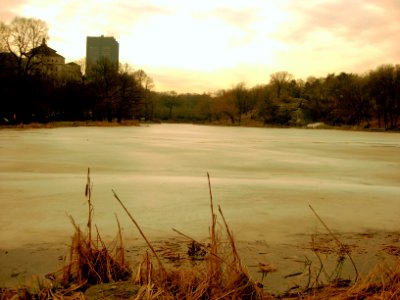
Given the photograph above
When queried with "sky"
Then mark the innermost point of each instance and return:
(206, 45)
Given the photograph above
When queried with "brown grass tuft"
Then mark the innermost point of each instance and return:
(92, 262)
(219, 274)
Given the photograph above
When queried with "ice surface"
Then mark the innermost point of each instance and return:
(264, 179)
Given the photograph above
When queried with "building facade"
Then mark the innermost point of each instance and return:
(101, 47)
(48, 62)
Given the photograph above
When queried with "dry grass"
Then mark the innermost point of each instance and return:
(383, 283)
(91, 261)
(219, 274)
(36, 125)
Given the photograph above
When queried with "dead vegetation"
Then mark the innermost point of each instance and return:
(95, 270)
(317, 277)
(60, 124)
(91, 262)
(383, 283)
(219, 276)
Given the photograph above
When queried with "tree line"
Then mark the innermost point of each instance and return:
(117, 93)
(345, 99)
(371, 99)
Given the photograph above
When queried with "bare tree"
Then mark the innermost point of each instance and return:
(20, 37)
(224, 105)
(242, 100)
(170, 100)
(279, 80)
(144, 80)
(147, 84)
(384, 88)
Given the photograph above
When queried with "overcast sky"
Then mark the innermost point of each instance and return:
(206, 45)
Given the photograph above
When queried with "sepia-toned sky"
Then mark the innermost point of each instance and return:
(206, 45)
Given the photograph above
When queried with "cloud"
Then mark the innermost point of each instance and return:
(186, 81)
(10, 9)
(239, 18)
(208, 37)
(70, 22)
(208, 41)
(341, 35)
(360, 20)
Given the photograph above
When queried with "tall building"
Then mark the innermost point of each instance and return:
(101, 47)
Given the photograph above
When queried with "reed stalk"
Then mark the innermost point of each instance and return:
(338, 242)
(140, 231)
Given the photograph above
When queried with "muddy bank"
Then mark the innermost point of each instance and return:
(293, 261)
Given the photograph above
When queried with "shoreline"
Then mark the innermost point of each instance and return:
(129, 123)
(26, 265)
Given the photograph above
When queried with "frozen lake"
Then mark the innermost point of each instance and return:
(264, 180)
